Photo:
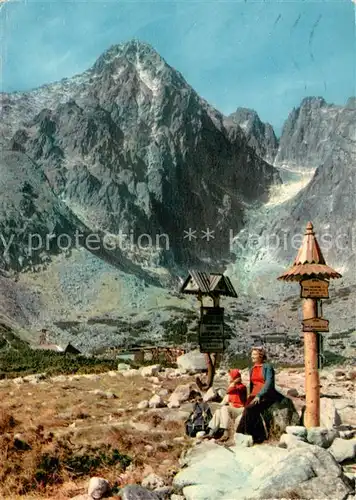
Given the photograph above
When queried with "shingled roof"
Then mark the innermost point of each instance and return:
(310, 262)
(199, 282)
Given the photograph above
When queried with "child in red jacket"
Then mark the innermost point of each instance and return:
(232, 406)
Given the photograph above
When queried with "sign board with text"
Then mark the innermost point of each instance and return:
(314, 289)
(211, 330)
(315, 325)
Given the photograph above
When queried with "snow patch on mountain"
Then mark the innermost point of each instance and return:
(294, 179)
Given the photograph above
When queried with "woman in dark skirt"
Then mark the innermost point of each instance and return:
(262, 395)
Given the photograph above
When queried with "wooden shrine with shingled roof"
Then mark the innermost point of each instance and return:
(211, 326)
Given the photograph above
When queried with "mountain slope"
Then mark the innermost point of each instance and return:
(130, 146)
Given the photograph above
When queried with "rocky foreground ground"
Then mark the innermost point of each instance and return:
(141, 414)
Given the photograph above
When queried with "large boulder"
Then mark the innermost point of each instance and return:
(279, 416)
(321, 437)
(212, 471)
(343, 449)
(192, 361)
(317, 487)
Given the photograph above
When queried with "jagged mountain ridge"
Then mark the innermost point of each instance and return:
(130, 145)
(313, 130)
(307, 133)
(316, 136)
(260, 135)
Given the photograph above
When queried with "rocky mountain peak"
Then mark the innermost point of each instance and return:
(313, 102)
(313, 130)
(141, 59)
(132, 50)
(260, 135)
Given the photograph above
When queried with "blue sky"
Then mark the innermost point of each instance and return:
(266, 55)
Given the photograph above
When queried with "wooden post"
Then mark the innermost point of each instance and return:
(309, 263)
(211, 359)
(312, 383)
(211, 369)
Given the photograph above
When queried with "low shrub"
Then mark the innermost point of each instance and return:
(46, 461)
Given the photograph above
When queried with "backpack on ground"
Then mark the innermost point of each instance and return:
(198, 420)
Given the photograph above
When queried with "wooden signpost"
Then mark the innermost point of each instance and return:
(211, 325)
(313, 274)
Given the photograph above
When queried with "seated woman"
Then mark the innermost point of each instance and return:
(232, 406)
(262, 395)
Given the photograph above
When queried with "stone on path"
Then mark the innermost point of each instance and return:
(288, 440)
(98, 487)
(174, 401)
(130, 373)
(318, 488)
(181, 393)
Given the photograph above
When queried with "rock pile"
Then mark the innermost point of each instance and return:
(298, 470)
